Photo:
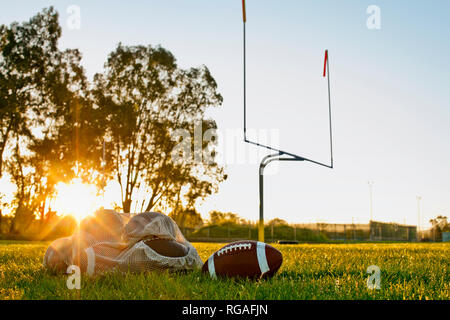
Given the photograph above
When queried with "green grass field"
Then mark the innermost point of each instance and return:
(319, 271)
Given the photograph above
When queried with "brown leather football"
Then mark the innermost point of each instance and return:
(244, 259)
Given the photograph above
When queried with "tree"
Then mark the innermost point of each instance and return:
(439, 224)
(146, 99)
(27, 51)
(49, 122)
(217, 217)
(53, 127)
(23, 197)
(2, 205)
(67, 139)
(277, 222)
(188, 218)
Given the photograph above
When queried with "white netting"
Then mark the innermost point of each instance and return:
(111, 240)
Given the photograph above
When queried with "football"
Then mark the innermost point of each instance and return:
(244, 259)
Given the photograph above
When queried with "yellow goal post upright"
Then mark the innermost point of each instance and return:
(279, 155)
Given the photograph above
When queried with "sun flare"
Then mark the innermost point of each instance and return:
(77, 199)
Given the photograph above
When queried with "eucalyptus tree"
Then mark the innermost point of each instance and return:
(27, 52)
(147, 99)
(48, 125)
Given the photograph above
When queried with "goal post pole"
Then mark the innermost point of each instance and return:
(264, 162)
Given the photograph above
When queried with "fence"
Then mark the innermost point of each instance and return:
(392, 232)
(313, 232)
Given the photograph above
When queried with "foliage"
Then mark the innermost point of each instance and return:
(188, 218)
(277, 222)
(218, 218)
(40, 116)
(439, 225)
(146, 98)
(53, 127)
(27, 51)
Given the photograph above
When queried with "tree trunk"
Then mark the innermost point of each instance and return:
(3, 145)
(126, 205)
(12, 226)
(2, 149)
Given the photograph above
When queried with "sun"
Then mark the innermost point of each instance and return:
(77, 199)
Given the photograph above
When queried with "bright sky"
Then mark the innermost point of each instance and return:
(389, 92)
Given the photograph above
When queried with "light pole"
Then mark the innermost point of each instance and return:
(370, 183)
(418, 215)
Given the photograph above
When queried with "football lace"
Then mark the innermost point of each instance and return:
(239, 246)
